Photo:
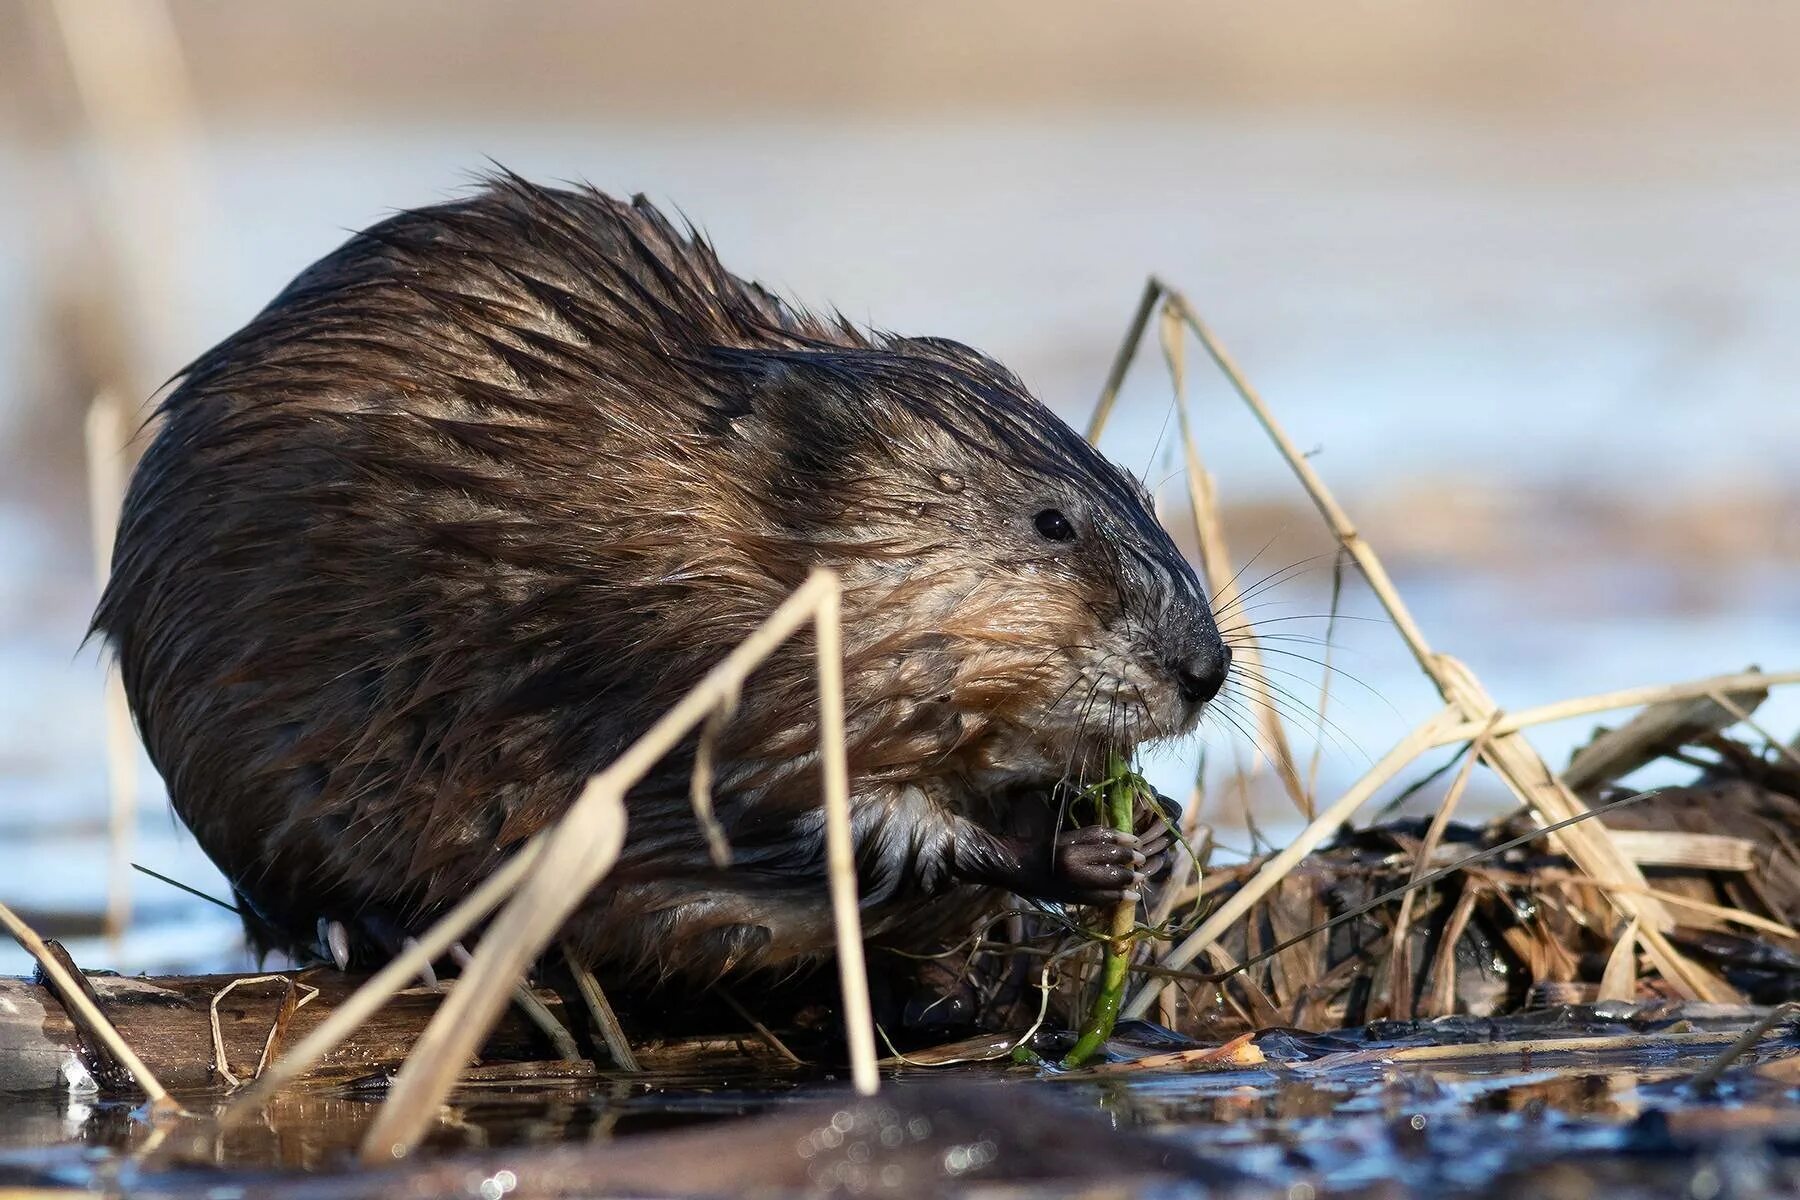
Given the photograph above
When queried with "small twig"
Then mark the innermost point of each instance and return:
(291, 1003)
(85, 1013)
(535, 1010)
(762, 1031)
(600, 1011)
(1738, 711)
(220, 1063)
(1709, 1075)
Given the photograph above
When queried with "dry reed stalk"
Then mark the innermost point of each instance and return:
(581, 847)
(1115, 375)
(1587, 706)
(535, 1010)
(132, 82)
(1221, 580)
(1513, 759)
(600, 1011)
(1277, 867)
(1443, 971)
(1619, 980)
(1723, 913)
(105, 439)
(1723, 701)
(1694, 851)
(85, 1013)
(1325, 671)
(1400, 994)
(840, 849)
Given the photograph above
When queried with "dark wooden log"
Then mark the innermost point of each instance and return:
(167, 1021)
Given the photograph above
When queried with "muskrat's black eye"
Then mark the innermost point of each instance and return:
(1052, 524)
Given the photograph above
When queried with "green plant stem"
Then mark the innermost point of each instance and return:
(1118, 802)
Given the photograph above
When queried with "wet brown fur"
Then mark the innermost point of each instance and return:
(484, 491)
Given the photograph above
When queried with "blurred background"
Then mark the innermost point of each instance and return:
(1523, 278)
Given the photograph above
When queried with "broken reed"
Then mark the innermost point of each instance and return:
(553, 871)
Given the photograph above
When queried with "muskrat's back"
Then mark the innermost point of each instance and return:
(480, 494)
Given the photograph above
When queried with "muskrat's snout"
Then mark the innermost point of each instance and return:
(1195, 656)
(1199, 676)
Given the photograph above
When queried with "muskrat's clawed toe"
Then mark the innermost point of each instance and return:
(334, 942)
(1097, 865)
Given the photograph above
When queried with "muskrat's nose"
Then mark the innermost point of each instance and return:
(1201, 676)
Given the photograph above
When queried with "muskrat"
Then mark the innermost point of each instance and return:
(485, 490)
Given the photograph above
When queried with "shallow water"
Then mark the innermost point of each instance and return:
(1325, 1116)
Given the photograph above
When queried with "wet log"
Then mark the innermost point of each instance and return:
(168, 1021)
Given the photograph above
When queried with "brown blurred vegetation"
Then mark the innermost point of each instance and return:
(349, 61)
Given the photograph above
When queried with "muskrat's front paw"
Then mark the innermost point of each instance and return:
(1098, 865)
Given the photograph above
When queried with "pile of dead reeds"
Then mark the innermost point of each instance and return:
(1353, 932)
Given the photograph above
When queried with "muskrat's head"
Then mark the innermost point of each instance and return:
(1005, 584)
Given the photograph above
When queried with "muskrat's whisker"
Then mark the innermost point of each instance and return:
(1229, 712)
(1328, 668)
(1327, 617)
(1246, 698)
(1273, 579)
(1265, 580)
(1250, 562)
(1286, 702)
